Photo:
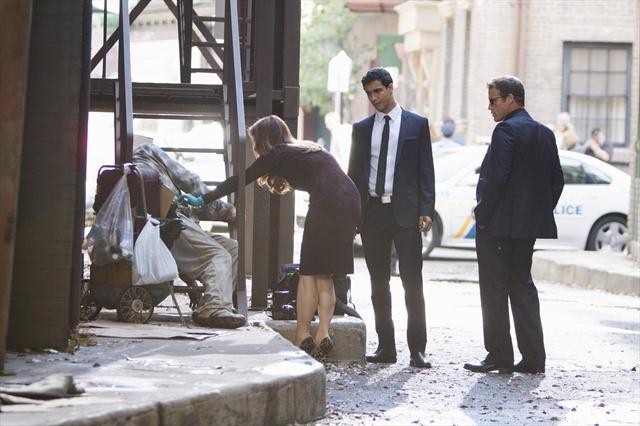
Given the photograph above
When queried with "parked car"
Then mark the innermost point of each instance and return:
(591, 213)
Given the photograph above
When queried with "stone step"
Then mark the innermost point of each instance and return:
(349, 336)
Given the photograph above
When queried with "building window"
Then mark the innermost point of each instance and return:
(597, 89)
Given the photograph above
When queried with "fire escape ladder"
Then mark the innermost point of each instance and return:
(194, 32)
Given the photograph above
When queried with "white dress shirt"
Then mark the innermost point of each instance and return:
(376, 141)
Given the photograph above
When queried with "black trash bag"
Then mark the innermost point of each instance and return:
(344, 305)
(283, 302)
(285, 292)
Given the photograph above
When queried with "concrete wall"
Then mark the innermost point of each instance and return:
(39, 313)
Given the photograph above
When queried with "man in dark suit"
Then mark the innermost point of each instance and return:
(520, 183)
(392, 166)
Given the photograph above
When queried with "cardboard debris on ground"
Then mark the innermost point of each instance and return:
(103, 328)
(51, 387)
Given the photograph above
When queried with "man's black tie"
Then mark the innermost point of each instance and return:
(382, 159)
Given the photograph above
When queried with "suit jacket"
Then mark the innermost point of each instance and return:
(413, 182)
(520, 180)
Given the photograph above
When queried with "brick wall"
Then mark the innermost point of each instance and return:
(547, 26)
(39, 313)
(552, 23)
(492, 52)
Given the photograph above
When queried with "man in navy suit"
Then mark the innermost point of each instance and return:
(392, 166)
(519, 186)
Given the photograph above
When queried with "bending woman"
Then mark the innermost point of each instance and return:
(283, 163)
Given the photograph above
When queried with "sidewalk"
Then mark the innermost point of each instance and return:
(611, 272)
(194, 376)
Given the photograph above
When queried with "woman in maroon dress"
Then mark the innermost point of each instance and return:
(282, 163)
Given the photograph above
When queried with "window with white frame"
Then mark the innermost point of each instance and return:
(597, 89)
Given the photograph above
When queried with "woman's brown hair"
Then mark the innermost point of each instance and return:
(267, 133)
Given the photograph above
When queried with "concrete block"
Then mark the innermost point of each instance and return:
(349, 336)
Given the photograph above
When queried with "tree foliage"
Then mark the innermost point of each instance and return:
(324, 28)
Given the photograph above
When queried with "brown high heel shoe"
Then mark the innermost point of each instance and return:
(308, 345)
(323, 349)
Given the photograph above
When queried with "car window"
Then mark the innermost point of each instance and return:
(448, 165)
(572, 170)
(595, 176)
(576, 172)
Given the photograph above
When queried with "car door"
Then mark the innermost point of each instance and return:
(577, 207)
(455, 203)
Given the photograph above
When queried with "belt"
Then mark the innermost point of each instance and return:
(385, 199)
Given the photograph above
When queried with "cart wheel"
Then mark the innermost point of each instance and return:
(89, 309)
(136, 305)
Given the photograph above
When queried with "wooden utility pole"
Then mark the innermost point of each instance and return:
(15, 26)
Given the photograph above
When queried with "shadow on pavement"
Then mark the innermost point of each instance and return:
(495, 396)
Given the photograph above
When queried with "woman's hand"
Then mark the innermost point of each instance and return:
(195, 201)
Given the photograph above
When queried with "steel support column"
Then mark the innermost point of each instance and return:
(185, 19)
(124, 115)
(290, 71)
(265, 230)
(77, 260)
(236, 132)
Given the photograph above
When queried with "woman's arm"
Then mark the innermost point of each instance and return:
(262, 166)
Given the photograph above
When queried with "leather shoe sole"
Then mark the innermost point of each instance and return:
(382, 358)
(419, 363)
(227, 321)
(528, 369)
(488, 367)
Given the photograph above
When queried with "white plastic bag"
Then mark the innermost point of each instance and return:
(111, 236)
(152, 260)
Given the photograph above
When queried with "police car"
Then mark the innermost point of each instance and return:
(591, 213)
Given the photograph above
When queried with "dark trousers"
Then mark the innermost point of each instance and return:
(505, 277)
(378, 232)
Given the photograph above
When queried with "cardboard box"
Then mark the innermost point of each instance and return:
(166, 197)
(116, 274)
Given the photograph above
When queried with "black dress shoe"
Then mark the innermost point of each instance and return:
(418, 360)
(383, 356)
(523, 367)
(488, 366)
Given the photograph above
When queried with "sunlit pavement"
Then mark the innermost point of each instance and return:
(593, 356)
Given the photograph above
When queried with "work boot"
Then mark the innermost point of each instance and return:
(220, 319)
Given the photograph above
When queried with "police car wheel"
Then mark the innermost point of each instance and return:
(609, 233)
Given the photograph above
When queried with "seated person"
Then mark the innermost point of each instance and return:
(209, 258)
(597, 146)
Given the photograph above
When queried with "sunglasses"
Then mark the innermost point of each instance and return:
(492, 101)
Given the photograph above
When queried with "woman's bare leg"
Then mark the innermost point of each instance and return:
(326, 305)
(307, 300)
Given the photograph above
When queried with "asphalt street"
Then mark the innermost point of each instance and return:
(593, 356)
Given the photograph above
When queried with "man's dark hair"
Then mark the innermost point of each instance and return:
(508, 84)
(595, 132)
(379, 74)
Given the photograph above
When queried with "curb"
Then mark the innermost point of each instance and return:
(248, 376)
(610, 272)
